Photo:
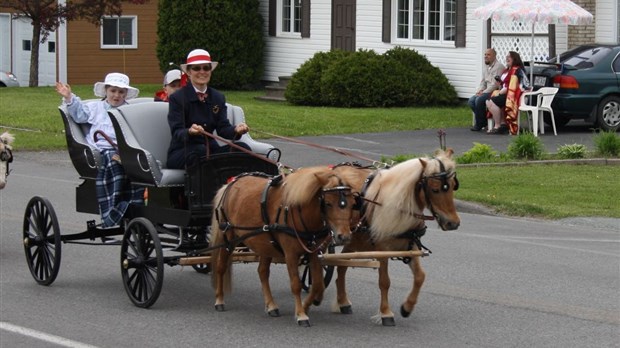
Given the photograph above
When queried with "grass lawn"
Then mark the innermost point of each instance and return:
(35, 109)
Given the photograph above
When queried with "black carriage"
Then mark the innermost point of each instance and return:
(170, 227)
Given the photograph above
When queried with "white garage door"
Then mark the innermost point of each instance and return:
(5, 42)
(22, 47)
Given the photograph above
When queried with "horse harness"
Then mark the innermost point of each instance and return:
(413, 235)
(6, 155)
(307, 238)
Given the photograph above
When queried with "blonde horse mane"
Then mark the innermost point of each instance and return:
(302, 186)
(395, 190)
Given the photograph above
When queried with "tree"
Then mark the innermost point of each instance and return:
(47, 15)
(232, 32)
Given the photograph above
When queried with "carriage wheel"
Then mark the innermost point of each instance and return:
(41, 236)
(306, 277)
(142, 262)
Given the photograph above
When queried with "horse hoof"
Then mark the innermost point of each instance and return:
(274, 313)
(346, 309)
(404, 312)
(220, 308)
(316, 302)
(388, 321)
(303, 323)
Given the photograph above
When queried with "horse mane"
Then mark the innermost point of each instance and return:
(301, 186)
(395, 190)
(7, 139)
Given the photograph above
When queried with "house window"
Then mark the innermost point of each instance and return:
(26, 46)
(119, 32)
(51, 47)
(431, 21)
(291, 16)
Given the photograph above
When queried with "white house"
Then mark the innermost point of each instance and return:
(442, 30)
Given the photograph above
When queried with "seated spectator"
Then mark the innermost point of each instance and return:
(477, 102)
(504, 104)
(114, 192)
(196, 108)
(173, 81)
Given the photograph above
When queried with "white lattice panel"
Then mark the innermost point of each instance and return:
(521, 45)
(517, 28)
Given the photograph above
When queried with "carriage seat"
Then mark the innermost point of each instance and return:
(235, 116)
(143, 138)
(85, 158)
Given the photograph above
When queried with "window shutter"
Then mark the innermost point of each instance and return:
(386, 35)
(305, 18)
(273, 12)
(461, 12)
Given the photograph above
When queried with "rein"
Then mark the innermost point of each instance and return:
(242, 149)
(323, 147)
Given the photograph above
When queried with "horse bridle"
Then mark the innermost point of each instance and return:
(443, 176)
(6, 155)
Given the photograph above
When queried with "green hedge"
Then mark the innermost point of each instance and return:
(400, 77)
(232, 32)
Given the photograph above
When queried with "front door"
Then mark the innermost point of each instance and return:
(343, 25)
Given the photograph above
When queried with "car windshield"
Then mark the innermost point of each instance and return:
(586, 58)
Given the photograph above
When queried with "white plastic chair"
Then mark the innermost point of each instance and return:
(540, 102)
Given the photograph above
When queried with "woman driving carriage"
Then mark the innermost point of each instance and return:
(114, 192)
(197, 108)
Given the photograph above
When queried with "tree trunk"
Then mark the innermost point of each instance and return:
(34, 55)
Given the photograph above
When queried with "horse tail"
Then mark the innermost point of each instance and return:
(217, 238)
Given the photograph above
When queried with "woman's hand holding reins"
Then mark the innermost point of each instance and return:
(241, 128)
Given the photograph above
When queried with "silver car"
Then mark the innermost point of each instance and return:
(7, 79)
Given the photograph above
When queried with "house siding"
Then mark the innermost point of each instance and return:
(283, 55)
(88, 63)
(606, 21)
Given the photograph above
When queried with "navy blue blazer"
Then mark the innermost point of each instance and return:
(186, 109)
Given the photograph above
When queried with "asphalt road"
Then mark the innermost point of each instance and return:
(495, 282)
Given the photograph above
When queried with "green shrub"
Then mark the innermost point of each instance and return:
(400, 77)
(572, 151)
(304, 88)
(480, 153)
(230, 30)
(526, 146)
(607, 144)
(427, 84)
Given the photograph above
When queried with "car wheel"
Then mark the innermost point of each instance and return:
(609, 113)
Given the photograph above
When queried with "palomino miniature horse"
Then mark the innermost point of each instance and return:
(392, 218)
(6, 156)
(275, 219)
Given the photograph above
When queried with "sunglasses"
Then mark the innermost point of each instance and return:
(199, 67)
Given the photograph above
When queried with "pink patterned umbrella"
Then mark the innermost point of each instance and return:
(534, 11)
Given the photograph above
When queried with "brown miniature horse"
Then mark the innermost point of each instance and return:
(392, 219)
(280, 219)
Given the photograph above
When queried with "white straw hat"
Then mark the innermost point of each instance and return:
(196, 57)
(116, 80)
(172, 76)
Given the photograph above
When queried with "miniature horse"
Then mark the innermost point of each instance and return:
(6, 156)
(392, 219)
(280, 217)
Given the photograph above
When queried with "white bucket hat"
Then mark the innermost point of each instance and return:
(172, 76)
(196, 57)
(116, 80)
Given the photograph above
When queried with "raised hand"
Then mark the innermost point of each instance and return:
(64, 90)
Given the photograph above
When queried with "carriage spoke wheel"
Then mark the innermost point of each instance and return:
(306, 277)
(41, 236)
(142, 262)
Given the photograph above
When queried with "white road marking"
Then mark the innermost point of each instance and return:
(61, 341)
